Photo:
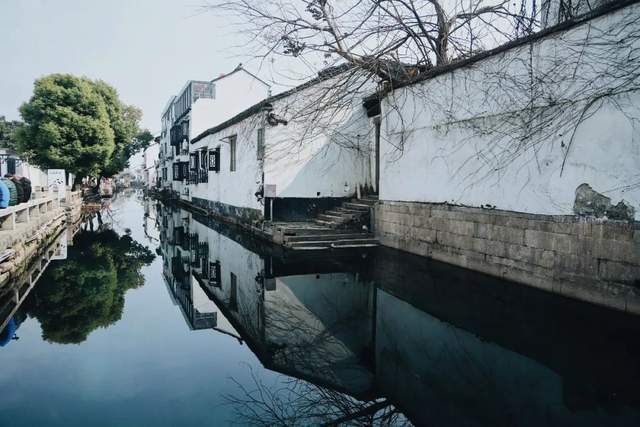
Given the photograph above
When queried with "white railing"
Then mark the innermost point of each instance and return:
(25, 212)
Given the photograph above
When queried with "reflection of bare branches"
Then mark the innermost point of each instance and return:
(292, 402)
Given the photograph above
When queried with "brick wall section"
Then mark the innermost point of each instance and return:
(581, 258)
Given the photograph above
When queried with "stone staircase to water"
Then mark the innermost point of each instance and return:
(346, 226)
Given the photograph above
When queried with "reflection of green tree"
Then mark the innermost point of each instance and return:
(76, 296)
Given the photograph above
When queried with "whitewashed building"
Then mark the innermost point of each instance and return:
(11, 163)
(282, 160)
(198, 106)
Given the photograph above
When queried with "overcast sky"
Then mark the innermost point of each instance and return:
(146, 49)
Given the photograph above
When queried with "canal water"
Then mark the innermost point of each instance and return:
(153, 316)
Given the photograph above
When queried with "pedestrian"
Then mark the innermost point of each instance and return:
(19, 189)
(4, 195)
(13, 193)
(26, 185)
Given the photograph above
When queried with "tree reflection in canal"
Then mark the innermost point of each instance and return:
(86, 291)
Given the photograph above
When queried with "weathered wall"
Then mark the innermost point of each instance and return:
(523, 128)
(232, 188)
(301, 161)
(601, 260)
(319, 159)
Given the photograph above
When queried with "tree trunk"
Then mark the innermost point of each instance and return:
(77, 181)
(96, 189)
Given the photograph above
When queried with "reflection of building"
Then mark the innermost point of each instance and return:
(445, 346)
(175, 244)
(199, 105)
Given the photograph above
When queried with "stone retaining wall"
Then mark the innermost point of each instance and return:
(582, 258)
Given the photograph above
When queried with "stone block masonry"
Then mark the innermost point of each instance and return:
(587, 259)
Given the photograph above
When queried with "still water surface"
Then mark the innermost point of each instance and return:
(158, 317)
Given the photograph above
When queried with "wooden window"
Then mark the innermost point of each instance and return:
(214, 160)
(185, 170)
(233, 295)
(260, 150)
(232, 152)
(177, 171)
(214, 273)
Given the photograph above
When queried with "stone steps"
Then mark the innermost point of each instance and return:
(329, 237)
(338, 228)
(333, 244)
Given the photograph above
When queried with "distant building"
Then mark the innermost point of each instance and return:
(11, 163)
(150, 164)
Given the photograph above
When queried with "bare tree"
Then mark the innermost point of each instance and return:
(393, 40)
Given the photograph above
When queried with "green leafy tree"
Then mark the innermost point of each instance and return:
(67, 126)
(86, 292)
(124, 121)
(80, 125)
(8, 130)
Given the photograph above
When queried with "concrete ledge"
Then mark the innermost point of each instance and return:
(579, 257)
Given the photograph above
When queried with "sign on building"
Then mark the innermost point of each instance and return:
(57, 182)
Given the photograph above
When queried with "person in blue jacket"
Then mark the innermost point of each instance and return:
(4, 195)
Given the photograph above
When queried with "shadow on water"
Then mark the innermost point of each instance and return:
(86, 290)
(383, 337)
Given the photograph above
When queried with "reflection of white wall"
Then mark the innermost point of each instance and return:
(245, 265)
(201, 301)
(321, 325)
(446, 160)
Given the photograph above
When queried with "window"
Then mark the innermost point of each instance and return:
(233, 297)
(232, 152)
(204, 161)
(214, 160)
(214, 274)
(177, 171)
(260, 153)
(185, 170)
(164, 174)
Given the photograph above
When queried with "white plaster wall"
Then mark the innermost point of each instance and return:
(235, 188)
(444, 158)
(322, 156)
(233, 94)
(328, 159)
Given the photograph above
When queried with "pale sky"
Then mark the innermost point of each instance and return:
(146, 49)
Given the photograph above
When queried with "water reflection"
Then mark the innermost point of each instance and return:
(85, 291)
(365, 336)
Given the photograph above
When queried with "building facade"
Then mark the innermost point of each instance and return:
(198, 106)
(283, 159)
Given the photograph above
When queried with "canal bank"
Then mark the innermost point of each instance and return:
(28, 228)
